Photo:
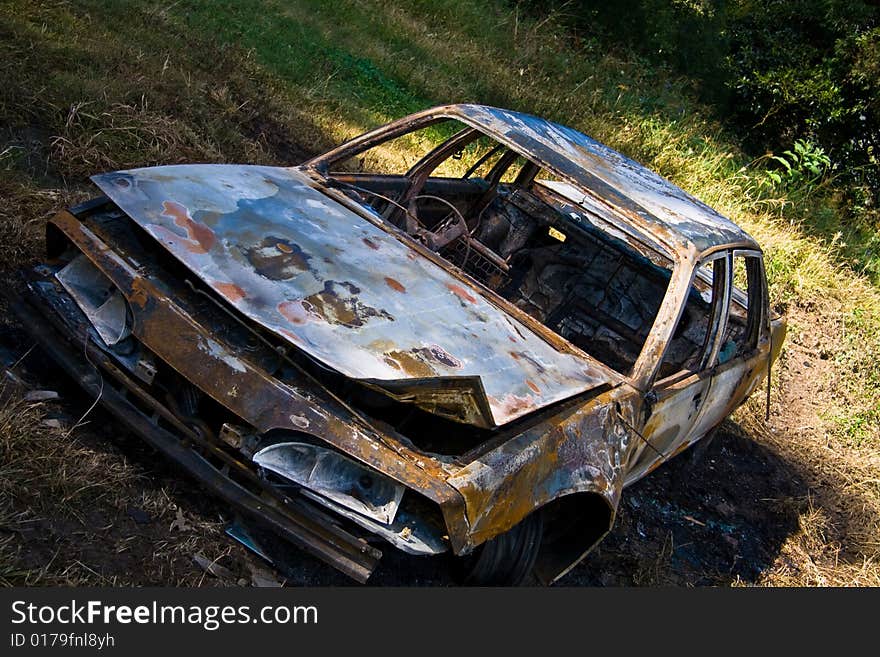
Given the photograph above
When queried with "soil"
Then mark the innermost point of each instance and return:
(717, 514)
(731, 511)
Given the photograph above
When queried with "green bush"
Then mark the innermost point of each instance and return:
(798, 170)
(776, 71)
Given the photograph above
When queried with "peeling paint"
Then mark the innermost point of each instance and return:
(335, 301)
(300, 421)
(215, 350)
(324, 290)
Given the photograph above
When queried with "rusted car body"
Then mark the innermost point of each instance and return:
(473, 354)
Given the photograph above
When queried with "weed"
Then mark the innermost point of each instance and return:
(93, 85)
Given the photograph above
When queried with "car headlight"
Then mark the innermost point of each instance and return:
(335, 477)
(97, 297)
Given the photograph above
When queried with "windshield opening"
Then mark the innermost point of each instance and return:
(519, 230)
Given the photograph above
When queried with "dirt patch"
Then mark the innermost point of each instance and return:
(782, 502)
(717, 515)
(837, 538)
(713, 516)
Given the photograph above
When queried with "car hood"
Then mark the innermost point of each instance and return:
(348, 292)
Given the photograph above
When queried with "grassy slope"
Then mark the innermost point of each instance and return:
(90, 85)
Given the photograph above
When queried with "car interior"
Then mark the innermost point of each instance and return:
(537, 241)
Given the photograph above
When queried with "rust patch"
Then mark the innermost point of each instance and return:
(420, 362)
(395, 285)
(391, 362)
(230, 290)
(409, 363)
(277, 259)
(138, 293)
(381, 345)
(370, 243)
(338, 303)
(461, 293)
(531, 384)
(200, 238)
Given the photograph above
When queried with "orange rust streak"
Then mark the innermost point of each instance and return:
(394, 284)
(138, 293)
(532, 385)
(231, 291)
(293, 312)
(461, 293)
(201, 237)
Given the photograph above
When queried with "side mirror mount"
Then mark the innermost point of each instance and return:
(649, 400)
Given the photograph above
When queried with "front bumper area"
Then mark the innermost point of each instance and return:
(302, 523)
(571, 452)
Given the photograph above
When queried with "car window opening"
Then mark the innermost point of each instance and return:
(521, 232)
(690, 347)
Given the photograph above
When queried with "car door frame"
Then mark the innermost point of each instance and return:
(662, 437)
(750, 362)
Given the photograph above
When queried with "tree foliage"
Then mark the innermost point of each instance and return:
(778, 71)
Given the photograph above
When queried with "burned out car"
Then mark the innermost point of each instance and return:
(466, 332)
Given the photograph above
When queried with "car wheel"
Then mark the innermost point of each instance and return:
(507, 559)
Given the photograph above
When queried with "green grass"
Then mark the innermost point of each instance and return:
(94, 85)
(369, 62)
(103, 84)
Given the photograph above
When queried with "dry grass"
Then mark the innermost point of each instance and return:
(75, 100)
(76, 508)
(838, 541)
(93, 85)
(23, 215)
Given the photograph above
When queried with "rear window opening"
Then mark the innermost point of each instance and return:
(538, 242)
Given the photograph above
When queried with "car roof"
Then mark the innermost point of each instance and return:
(647, 200)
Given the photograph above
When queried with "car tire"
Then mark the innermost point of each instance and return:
(507, 559)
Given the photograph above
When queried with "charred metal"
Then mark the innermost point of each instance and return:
(473, 355)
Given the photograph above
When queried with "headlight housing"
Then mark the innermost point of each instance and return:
(335, 477)
(98, 298)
